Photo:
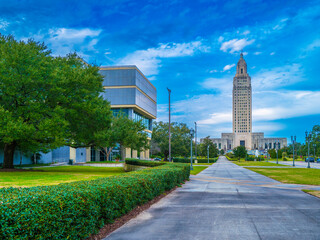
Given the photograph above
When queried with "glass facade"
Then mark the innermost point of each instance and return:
(116, 111)
(146, 121)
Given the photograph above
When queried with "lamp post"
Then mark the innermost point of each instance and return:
(169, 91)
(293, 140)
(208, 152)
(277, 144)
(191, 137)
(308, 137)
(195, 141)
(314, 151)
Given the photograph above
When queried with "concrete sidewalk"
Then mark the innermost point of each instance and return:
(226, 201)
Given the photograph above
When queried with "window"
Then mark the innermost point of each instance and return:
(146, 121)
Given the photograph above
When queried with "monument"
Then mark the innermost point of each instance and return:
(242, 134)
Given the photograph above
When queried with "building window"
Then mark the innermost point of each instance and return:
(145, 121)
(92, 154)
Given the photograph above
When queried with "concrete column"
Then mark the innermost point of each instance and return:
(88, 155)
(134, 153)
(128, 152)
(147, 155)
(72, 154)
(142, 155)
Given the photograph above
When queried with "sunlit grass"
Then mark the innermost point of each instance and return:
(55, 175)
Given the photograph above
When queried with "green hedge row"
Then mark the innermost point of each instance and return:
(187, 160)
(76, 210)
(133, 161)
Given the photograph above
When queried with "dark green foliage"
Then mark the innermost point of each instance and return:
(76, 210)
(133, 161)
(213, 150)
(187, 160)
(240, 152)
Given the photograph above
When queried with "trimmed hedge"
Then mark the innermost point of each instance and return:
(187, 160)
(146, 163)
(76, 210)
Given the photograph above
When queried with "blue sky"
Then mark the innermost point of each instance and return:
(192, 48)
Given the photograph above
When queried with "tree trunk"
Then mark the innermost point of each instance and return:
(108, 152)
(123, 153)
(8, 154)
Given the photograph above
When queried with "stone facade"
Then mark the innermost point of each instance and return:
(242, 117)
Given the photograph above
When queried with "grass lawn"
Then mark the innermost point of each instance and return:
(55, 175)
(106, 162)
(291, 175)
(202, 163)
(256, 163)
(313, 192)
(197, 169)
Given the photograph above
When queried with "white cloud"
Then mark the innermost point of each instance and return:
(149, 60)
(273, 53)
(228, 67)
(69, 34)
(65, 40)
(4, 24)
(235, 45)
(315, 44)
(277, 77)
(246, 32)
(257, 53)
(213, 71)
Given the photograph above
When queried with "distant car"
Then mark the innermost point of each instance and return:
(318, 160)
(310, 159)
(157, 159)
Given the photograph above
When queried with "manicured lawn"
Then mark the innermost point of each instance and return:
(313, 192)
(106, 162)
(291, 175)
(55, 175)
(197, 169)
(256, 163)
(202, 163)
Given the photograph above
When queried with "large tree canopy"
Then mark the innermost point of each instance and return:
(126, 132)
(180, 138)
(48, 102)
(203, 148)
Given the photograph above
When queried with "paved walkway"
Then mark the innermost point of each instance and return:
(226, 201)
(299, 164)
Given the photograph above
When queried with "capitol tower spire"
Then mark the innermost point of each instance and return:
(242, 105)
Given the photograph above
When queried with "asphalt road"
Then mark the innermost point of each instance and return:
(226, 201)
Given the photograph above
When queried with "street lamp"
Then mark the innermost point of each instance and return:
(208, 152)
(191, 137)
(169, 91)
(277, 146)
(308, 137)
(314, 149)
(293, 140)
(195, 141)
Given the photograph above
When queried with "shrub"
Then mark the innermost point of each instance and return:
(76, 210)
(133, 161)
(187, 160)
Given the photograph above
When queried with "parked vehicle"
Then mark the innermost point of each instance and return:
(318, 160)
(157, 159)
(310, 159)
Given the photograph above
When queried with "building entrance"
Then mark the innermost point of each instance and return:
(242, 143)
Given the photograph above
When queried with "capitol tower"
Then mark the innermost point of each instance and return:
(242, 134)
(242, 105)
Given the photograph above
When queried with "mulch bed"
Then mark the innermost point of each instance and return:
(109, 228)
(16, 170)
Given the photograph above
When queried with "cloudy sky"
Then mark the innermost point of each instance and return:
(192, 48)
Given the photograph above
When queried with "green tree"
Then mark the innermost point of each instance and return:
(213, 151)
(180, 138)
(126, 132)
(240, 152)
(47, 102)
(221, 151)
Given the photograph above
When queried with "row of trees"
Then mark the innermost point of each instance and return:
(47, 102)
(180, 141)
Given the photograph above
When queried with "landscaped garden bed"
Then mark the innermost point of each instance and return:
(76, 210)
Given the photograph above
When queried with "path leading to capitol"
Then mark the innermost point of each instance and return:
(226, 201)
